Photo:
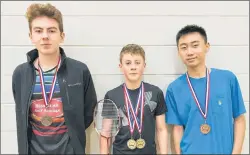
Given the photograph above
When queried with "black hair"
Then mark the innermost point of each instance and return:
(190, 29)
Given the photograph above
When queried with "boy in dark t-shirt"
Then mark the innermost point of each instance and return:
(141, 107)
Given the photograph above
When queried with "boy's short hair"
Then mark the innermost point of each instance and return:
(48, 10)
(132, 49)
(190, 29)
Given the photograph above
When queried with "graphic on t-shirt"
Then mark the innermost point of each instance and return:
(219, 102)
(151, 110)
(54, 110)
(152, 105)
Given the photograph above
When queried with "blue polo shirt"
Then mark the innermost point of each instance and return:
(225, 104)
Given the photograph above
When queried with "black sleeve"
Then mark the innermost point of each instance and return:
(15, 77)
(16, 87)
(161, 107)
(104, 113)
(90, 98)
(106, 96)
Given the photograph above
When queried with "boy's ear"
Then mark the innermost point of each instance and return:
(207, 46)
(62, 36)
(120, 66)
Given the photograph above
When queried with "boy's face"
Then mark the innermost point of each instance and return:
(45, 35)
(132, 66)
(192, 49)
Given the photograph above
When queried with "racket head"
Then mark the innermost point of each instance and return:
(107, 122)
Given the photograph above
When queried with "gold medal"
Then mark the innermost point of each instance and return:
(131, 144)
(140, 143)
(46, 120)
(205, 128)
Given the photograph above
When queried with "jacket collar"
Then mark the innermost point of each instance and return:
(33, 54)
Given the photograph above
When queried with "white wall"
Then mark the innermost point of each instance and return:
(96, 32)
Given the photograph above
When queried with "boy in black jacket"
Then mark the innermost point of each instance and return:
(54, 95)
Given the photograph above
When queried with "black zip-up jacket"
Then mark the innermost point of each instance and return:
(78, 97)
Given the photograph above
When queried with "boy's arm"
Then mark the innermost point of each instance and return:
(105, 137)
(90, 98)
(105, 144)
(238, 115)
(162, 134)
(161, 128)
(239, 133)
(177, 136)
(16, 86)
(105, 133)
(172, 118)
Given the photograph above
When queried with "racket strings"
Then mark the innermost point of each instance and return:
(107, 120)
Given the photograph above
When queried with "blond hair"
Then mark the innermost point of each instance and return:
(132, 49)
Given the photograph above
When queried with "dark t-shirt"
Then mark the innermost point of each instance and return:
(154, 105)
(52, 139)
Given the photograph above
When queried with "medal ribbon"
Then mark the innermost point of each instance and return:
(131, 123)
(130, 108)
(207, 93)
(45, 97)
